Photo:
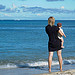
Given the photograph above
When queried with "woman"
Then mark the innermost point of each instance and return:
(54, 43)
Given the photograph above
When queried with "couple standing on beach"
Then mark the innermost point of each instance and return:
(55, 43)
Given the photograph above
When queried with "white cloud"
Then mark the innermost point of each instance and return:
(7, 15)
(24, 6)
(62, 7)
(38, 15)
(14, 6)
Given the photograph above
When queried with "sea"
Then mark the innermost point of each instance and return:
(24, 44)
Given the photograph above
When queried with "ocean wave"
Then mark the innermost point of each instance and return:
(67, 62)
(45, 63)
(9, 65)
(72, 28)
(28, 65)
(20, 28)
(36, 64)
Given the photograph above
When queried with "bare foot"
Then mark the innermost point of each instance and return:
(62, 46)
(49, 70)
(61, 70)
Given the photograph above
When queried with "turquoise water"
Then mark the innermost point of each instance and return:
(23, 43)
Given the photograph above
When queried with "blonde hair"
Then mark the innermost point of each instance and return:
(51, 21)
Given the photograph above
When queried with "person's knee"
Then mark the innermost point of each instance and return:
(59, 55)
(62, 40)
(50, 55)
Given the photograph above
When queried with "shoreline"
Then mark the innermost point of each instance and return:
(32, 71)
(21, 71)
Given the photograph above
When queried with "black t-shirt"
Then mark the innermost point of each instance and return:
(52, 32)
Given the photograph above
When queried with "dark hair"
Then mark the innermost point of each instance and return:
(59, 24)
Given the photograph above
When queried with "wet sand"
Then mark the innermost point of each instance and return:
(21, 71)
(27, 71)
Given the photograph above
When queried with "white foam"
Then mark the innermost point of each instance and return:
(55, 63)
(37, 64)
(66, 62)
(41, 63)
(45, 63)
(8, 66)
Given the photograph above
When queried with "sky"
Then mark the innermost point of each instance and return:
(37, 9)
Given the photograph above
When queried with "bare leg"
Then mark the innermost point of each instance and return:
(60, 59)
(62, 43)
(50, 60)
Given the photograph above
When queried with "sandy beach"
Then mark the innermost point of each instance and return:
(67, 72)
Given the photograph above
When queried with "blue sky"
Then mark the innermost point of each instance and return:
(37, 9)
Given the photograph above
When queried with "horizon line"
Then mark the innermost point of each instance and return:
(23, 19)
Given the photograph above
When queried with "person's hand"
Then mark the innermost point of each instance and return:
(65, 36)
